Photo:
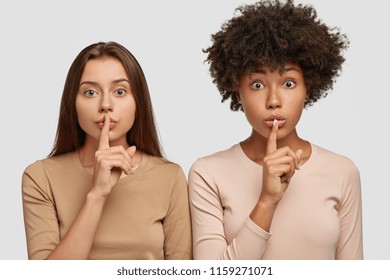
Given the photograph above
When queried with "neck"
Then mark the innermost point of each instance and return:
(87, 151)
(255, 146)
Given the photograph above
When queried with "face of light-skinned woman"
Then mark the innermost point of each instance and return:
(106, 110)
(105, 91)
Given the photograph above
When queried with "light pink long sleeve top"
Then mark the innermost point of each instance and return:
(319, 216)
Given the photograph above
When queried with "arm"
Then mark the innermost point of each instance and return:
(77, 242)
(350, 245)
(177, 223)
(278, 168)
(209, 240)
(207, 211)
(42, 231)
(42, 224)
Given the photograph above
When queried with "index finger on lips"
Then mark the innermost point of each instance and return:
(104, 138)
(273, 136)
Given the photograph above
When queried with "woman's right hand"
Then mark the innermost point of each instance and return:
(278, 168)
(110, 162)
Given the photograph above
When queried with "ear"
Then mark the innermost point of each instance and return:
(307, 93)
(238, 98)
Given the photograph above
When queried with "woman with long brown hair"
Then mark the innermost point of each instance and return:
(105, 191)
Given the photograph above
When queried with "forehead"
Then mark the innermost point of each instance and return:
(103, 68)
(289, 66)
(274, 72)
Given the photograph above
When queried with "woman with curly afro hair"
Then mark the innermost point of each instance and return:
(275, 195)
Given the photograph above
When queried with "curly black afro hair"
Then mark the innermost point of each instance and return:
(271, 33)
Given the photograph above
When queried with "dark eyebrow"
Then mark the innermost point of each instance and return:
(88, 83)
(96, 83)
(259, 71)
(119, 81)
(256, 71)
(284, 70)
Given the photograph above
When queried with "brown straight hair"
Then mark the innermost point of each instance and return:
(143, 134)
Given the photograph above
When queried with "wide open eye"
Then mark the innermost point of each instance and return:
(257, 85)
(289, 84)
(90, 93)
(120, 92)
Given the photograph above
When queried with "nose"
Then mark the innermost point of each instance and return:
(273, 100)
(106, 104)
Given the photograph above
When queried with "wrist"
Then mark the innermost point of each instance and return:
(262, 214)
(96, 197)
(268, 202)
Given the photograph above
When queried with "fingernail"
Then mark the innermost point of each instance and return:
(275, 122)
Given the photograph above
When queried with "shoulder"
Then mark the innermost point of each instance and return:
(161, 163)
(332, 158)
(218, 159)
(53, 161)
(338, 164)
(343, 172)
(218, 164)
(52, 164)
(162, 168)
(37, 176)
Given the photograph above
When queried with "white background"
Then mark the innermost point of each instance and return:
(40, 39)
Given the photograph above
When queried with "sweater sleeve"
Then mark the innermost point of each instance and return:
(207, 213)
(40, 218)
(177, 223)
(350, 244)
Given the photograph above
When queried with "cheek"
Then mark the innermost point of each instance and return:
(130, 116)
(82, 120)
(83, 114)
(80, 106)
(127, 109)
(297, 107)
(255, 117)
(254, 109)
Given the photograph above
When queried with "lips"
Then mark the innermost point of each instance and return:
(270, 120)
(100, 123)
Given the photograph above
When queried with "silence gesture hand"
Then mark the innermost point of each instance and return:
(110, 162)
(279, 166)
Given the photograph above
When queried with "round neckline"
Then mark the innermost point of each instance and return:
(88, 176)
(306, 165)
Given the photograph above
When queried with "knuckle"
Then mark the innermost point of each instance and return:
(266, 159)
(104, 162)
(98, 155)
(272, 169)
(267, 164)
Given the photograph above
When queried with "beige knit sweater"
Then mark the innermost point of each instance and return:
(319, 216)
(145, 217)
